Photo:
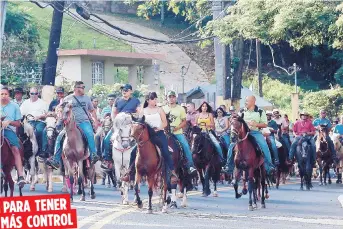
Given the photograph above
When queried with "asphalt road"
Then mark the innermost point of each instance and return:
(287, 207)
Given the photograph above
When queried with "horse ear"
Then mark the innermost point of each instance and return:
(133, 118)
(143, 118)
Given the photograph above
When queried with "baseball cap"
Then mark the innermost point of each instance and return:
(18, 89)
(126, 87)
(171, 93)
(59, 90)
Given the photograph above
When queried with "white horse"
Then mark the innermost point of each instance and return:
(121, 150)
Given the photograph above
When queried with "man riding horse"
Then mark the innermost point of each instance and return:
(127, 104)
(177, 116)
(81, 105)
(256, 119)
(273, 126)
(324, 121)
(11, 113)
(303, 128)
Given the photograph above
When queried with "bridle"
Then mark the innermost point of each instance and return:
(235, 132)
(140, 143)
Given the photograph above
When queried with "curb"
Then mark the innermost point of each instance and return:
(340, 199)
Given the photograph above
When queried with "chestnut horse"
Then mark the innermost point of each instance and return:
(249, 160)
(149, 162)
(206, 160)
(8, 164)
(324, 157)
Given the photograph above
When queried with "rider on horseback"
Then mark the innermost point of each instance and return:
(127, 104)
(37, 108)
(11, 112)
(81, 105)
(284, 127)
(59, 97)
(178, 121)
(256, 119)
(323, 121)
(18, 96)
(273, 127)
(206, 122)
(303, 128)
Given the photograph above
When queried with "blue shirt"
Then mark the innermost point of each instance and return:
(322, 121)
(12, 112)
(53, 104)
(127, 106)
(338, 129)
(273, 125)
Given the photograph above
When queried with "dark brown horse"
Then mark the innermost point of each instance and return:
(149, 162)
(206, 160)
(324, 157)
(248, 159)
(8, 164)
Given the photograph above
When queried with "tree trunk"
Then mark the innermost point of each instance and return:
(283, 62)
(162, 13)
(227, 72)
(258, 62)
(238, 69)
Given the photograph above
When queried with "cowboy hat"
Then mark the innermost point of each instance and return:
(276, 111)
(304, 113)
(269, 112)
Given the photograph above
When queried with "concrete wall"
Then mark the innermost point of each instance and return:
(68, 67)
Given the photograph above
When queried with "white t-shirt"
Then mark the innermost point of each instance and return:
(281, 121)
(34, 108)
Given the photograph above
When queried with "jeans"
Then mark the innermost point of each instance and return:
(161, 141)
(186, 149)
(106, 144)
(286, 141)
(98, 143)
(217, 146)
(294, 147)
(274, 148)
(39, 128)
(12, 138)
(230, 159)
(87, 130)
(226, 139)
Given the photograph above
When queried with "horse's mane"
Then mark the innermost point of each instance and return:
(245, 125)
(122, 119)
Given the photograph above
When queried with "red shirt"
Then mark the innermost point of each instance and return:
(301, 127)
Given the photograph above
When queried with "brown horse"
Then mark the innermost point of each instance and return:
(8, 164)
(324, 157)
(249, 160)
(75, 154)
(206, 160)
(148, 163)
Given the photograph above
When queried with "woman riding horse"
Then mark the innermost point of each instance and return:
(205, 121)
(222, 125)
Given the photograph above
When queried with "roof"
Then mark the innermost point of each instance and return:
(261, 102)
(109, 53)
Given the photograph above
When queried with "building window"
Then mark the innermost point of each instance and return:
(97, 72)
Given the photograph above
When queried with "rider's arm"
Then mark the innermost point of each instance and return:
(114, 112)
(15, 123)
(163, 118)
(211, 120)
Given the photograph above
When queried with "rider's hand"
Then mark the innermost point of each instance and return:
(252, 123)
(5, 124)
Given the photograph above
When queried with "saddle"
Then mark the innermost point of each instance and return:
(255, 145)
(83, 137)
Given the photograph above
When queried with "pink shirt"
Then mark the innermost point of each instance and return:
(301, 127)
(191, 117)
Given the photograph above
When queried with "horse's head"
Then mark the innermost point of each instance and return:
(51, 121)
(138, 128)
(196, 139)
(122, 129)
(239, 129)
(323, 131)
(67, 112)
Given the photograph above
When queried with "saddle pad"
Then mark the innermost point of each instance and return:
(83, 137)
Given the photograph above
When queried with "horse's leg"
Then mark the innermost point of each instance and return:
(184, 197)
(339, 176)
(151, 181)
(79, 181)
(64, 188)
(49, 178)
(32, 161)
(81, 178)
(215, 193)
(202, 179)
(173, 196)
(71, 179)
(245, 178)
(11, 184)
(137, 181)
(237, 175)
(320, 172)
(250, 187)
(278, 175)
(254, 192)
(328, 170)
(206, 188)
(6, 187)
(263, 184)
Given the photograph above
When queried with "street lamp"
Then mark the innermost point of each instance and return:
(293, 70)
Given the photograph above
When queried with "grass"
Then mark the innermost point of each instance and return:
(74, 34)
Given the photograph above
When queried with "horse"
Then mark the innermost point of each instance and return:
(121, 149)
(303, 156)
(7, 156)
(179, 161)
(339, 151)
(149, 162)
(206, 160)
(324, 158)
(75, 154)
(248, 159)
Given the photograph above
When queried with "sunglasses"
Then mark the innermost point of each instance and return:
(33, 93)
(81, 87)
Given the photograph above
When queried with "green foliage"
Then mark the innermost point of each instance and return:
(330, 100)
(338, 28)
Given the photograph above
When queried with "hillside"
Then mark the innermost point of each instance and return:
(74, 34)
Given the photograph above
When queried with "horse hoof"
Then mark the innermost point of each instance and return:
(263, 206)
(93, 196)
(245, 191)
(183, 205)
(180, 195)
(82, 198)
(302, 188)
(325, 184)
(238, 195)
(32, 189)
(149, 211)
(173, 205)
(215, 194)
(71, 200)
(108, 186)
(250, 208)
(254, 206)
(140, 205)
(164, 209)
(320, 184)
(330, 182)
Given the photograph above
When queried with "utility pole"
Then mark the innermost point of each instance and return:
(51, 59)
(183, 78)
(3, 5)
(54, 44)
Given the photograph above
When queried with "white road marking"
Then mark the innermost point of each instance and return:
(110, 218)
(328, 221)
(340, 199)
